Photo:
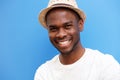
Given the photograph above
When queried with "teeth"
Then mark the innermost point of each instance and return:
(64, 43)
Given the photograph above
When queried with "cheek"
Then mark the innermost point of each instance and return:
(74, 31)
(51, 36)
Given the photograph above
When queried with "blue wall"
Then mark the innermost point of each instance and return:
(24, 44)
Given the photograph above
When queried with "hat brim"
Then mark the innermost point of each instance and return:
(43, 13)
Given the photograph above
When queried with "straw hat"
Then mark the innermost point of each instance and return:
(71, 4)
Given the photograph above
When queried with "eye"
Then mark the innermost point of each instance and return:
(52, 29)
(68, 26)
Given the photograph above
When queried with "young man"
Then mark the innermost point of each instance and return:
(64, 22)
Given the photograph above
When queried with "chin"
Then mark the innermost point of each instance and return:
(65, 52)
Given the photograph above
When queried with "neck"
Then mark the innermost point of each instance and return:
(73, 56)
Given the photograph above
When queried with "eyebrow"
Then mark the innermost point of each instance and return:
(68, 22)
(65, 23)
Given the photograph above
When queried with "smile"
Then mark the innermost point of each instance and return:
(64, 43)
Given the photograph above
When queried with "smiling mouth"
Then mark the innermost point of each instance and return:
(64, 43)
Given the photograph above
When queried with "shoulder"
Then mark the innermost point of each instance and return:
(106, 63)
(47, 65)
(102, 58)
(99, 55)
(44, 69)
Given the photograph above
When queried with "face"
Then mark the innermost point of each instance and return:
(63, 28)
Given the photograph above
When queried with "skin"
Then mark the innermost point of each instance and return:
(64, 29)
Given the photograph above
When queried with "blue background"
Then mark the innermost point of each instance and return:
(24, 43)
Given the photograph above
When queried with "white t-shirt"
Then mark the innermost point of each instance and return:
(93, 65)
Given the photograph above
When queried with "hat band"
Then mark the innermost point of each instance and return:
(62, 5)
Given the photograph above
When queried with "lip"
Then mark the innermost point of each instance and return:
(64, 44)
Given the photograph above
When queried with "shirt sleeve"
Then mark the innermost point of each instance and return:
(41, 73)
(38, 75)
(111, 70)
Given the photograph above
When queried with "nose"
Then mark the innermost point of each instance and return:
(61, 33)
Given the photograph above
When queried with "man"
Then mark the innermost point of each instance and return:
(64, 22)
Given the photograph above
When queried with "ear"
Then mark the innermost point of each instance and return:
(81, 25)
